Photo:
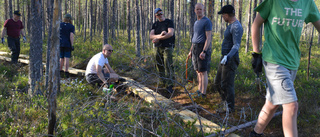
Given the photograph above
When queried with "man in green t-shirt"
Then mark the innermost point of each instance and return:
(283, 22)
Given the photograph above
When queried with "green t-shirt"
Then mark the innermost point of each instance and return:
(282, 29)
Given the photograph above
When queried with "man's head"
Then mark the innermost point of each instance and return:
(107, 50)
(159, 14)
(199, 10)
(227, 12)
(16, 15)
(67, 18)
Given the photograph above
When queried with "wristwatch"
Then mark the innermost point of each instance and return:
(204, 51)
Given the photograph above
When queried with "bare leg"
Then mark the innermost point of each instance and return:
(289, 119)
(67, 64)
(265, 116)
(203, 76)
(199, 81)
(61, 63)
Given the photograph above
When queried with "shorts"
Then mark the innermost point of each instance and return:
(65, 52)
(199, 64)
(280, 80)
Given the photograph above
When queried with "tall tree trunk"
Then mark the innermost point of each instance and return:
(79, 22)
(254, 13)
(240, 12)
(54, 75)
(113, 22)
(29, 16)
(18, 5)
(128, 21)
(142, 26)
(249, 27)
(177, 25)
(95, 18)
(232, 3)
(10, 9)
(85, 22)
(35, 66)
(192, 17)
(221, 23)
(91, 17)
(5, 7)
(105, 22)
(49, 19)
(43, 15)
(172, 9)
(211, 12)
(138, 53)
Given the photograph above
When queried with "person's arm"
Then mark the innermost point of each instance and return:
(100, 74)
(190, 52)
(206, 44)
(167, 35)
(109, 69)
(255, 34)
(317, 25)
(22, 33)
(71, 38)
(4, 30)
(237, 33)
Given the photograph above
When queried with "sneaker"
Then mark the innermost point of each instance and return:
(66, 74)
(61, 73)
(255, 134)
(169, 89)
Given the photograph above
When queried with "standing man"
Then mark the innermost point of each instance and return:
(66, 43)
(229, 61)
(201, 48)
(283, 23)
(162, 35)
(95, 73)
(13, 28)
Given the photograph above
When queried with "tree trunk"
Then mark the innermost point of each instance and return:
(5, 7)
(172, 9)
(91, 19)
(49, 19)
(113, 22)
(65, 7)
(177, 25)
(18, 7)
(249, 27)
(35, 66)
(79, 16)
(85, 22)
(192, 17)
(43, 15)
(254, 13)
(29, 16)
(10, 9)
(142, 26)
(54, 75)
(138, 54)
(129, 21)
(221, 24)
(240, 12)
(105, 21)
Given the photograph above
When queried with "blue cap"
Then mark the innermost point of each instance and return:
(156, 10)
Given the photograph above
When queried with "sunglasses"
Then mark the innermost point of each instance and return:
(159, 14)
(110, 50)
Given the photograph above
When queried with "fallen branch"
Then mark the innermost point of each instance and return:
(235, 128)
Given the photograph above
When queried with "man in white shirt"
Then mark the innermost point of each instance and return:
(95, 73)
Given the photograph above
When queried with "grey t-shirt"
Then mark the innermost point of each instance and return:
(200, 27)
(232, 39)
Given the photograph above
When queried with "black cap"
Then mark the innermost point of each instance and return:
(17, 13)
(227, 9)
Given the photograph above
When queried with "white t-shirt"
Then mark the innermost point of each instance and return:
(96, 59)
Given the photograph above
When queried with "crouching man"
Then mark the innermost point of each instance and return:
(95, 73)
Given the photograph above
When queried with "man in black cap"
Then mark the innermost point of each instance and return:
(13, 28)
(229, 61)
(162, 35)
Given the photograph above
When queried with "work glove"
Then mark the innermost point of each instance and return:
(24, 39)
(256, 62)
(2, 40)
(224, 60)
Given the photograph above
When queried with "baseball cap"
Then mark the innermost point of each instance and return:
(227, 9)
(17, 13)
(68, 16)
(156, 10)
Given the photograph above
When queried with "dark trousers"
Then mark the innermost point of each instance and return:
(164, 64)
(14, 46)
(224, 80)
